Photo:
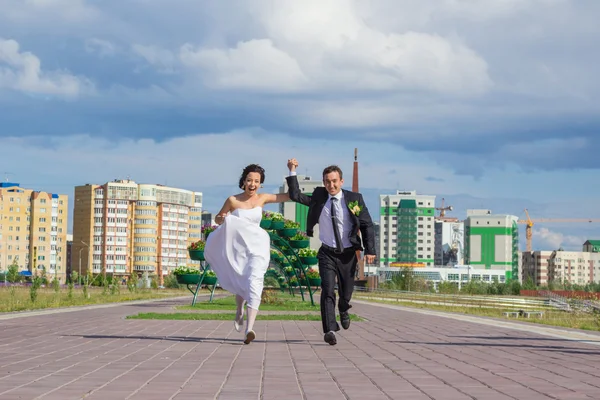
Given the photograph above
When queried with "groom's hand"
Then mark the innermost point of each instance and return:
(292, 164)
(369, 258)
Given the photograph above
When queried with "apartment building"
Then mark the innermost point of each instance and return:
(33, 230)
(407, 235)
(122, 227)
(492, 242)
(298, 212)
(534, 266)
(578, 267)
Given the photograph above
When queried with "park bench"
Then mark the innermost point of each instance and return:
(512, 314)
(529, 314)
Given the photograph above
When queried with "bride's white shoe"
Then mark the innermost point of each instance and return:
(238, 323)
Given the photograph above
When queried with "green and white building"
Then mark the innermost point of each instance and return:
(298, 212)
(492, 242)
(407, 234)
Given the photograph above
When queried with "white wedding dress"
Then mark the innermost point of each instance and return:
(239, 251)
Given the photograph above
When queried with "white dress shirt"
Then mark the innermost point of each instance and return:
(342, 215)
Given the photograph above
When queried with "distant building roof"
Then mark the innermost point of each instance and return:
(8, 184)
(593, 242)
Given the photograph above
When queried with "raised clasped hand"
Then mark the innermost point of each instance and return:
(292, 164)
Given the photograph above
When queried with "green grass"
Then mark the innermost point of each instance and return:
(17, 298)
(230, 316)
(281, 302)
(550, 317)
(272, 301)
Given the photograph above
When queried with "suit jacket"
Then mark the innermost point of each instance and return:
(317, 201)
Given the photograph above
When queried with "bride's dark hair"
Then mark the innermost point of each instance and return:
(252, 168)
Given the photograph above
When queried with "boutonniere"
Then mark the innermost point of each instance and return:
(354, 207)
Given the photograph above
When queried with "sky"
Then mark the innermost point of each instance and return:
(488, 104)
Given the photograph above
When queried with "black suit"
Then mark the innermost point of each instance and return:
(333, 264)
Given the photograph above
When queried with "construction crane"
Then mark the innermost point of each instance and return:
(530, 222)
(443, 209)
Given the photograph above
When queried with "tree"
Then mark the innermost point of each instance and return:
(12, 275)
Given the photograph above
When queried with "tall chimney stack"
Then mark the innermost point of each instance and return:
(355, 172)
(361, 262)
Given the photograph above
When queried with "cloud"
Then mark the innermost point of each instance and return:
(255, 64)
(316, 46)
(444, 79)
(22, 71)
(103, 48)
(552, 240)
(433, 179)
(162, 59)
(208, 160)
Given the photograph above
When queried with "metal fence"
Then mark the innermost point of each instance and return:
(505, 302)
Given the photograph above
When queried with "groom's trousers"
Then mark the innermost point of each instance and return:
(332, 266)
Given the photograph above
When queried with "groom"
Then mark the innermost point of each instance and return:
(340, 214)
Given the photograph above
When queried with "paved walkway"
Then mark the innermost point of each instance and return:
(397, 354)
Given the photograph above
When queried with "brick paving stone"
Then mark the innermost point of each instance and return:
(95, 353)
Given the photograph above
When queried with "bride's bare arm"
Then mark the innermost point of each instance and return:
(275, 198)
(227, 207)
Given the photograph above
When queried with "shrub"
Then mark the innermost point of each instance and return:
(170, 281)
(36, 282)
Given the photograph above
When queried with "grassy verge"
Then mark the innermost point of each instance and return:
(271, 301)
(17, 298)
(563, 319)
(280, 302)
(231, 316)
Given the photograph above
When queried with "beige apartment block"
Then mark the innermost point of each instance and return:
(124, 228)
(578, 267)
(33, 230)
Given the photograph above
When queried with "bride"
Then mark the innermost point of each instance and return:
(239, 250)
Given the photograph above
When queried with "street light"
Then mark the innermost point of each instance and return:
(79, 278)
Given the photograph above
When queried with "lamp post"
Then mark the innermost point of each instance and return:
(79, 278)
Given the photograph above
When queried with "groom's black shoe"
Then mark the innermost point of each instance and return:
(345, 319)
(330, 338)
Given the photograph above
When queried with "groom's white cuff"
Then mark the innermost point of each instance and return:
(292, 173)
